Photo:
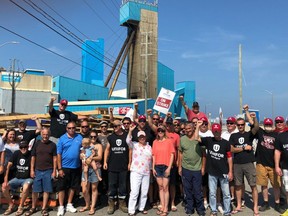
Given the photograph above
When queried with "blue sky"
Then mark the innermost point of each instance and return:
(197, 39)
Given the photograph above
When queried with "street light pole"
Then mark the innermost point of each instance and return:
(9, 42)
(272, 96)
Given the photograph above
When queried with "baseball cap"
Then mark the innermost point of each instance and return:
(64, 102)
(279, 118)
(23, 144)
(141, 133)
(195, 104)
(142, 117)
(103, 122)
(231, 119)
(204, 119)
(216, 127)
(268, 121)
(169, 120)
(22, 121)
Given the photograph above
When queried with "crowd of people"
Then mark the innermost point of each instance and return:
(147, 161)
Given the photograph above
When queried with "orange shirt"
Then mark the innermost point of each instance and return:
(161, 150)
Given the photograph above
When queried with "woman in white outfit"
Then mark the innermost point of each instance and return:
(139, 171)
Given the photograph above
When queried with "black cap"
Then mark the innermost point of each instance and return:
(169, 120)
(195, 104)
(23, 144)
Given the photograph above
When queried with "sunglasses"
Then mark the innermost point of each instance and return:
(23, 147)
(142, 120)
(240, 125)
(71, 128)
(115, 126)
(205, 124)
(230, 123)
(160, 130)
(126, 123)
(156, 119)
(93, 137)
(176, 125)
(103, 126)
(85, 126)
(278, 122)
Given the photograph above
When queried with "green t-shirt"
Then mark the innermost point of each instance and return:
(191, 154)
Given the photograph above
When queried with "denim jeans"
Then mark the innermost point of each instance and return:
(224, 182)
(117, 184)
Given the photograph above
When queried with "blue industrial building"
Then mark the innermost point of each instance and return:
(93, 62)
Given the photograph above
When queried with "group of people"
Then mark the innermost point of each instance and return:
(147, 158)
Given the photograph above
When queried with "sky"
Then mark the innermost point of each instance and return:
(199, 40)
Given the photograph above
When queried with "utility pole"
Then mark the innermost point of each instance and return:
(146, 54)
(240, 79)
(13, 78)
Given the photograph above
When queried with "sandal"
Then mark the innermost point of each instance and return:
(91, 212)
(159, 212)
(20, 211)
(164, 214)
(144, 212)
(9, 210)
(30, 212)
(173, 208)
(84, 209)
(44, 212)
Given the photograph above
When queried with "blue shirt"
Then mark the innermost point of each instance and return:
(69, 149)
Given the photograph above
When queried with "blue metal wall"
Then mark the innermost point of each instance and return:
(92, 62)
(132, 11)
(165, 77)
(75, 90)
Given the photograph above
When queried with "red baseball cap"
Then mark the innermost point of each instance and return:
(216, 127)
(279, 118)
(204, 119)
(64, 102)
(142, 117)
(231, 119)
(268, 121)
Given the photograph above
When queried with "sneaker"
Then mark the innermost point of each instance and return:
(60, 211)
(285, 213)
(242, 203)
(206, 205)
(70, 208)
(264, 207)
(279, 208)
(220, 208)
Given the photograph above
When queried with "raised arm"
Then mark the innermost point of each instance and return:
(256, 123)
(135, 117)
(151, 125)
(111, 117)
(51, 103)
(38, 124)
(181, 98)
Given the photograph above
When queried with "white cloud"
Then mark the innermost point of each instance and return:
(57, 50)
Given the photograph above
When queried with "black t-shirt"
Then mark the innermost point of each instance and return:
(85, 135)
(59, 120)
(265, 148)
(26, 135)
(119, 153)
(217, 164)
(238, 140)
(21, 163)
(281, 144)
(44, 153)
(150, 135)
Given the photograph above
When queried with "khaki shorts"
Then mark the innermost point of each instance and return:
(263, 173)
(248, 170)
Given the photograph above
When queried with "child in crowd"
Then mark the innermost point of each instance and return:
(86, 151)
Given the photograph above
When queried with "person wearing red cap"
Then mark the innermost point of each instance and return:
(241, 146)
(280, 125)
(219, 167)
(231, 128)
(195, 110)
(59, 119)
(265, 165)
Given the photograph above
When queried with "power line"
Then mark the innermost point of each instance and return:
(68, 59)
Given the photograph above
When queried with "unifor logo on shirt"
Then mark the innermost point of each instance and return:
(118, 142)
(62, 116)
(216, 147)
(22, 162)
(241, 140)
(20, 137)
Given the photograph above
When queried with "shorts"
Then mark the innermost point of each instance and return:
(285, 179)
(16, 183)
(92, 177)
(71, 179)
(248, 170)
(263, 173)
(160, 170)
(173, 175)
(43, 181)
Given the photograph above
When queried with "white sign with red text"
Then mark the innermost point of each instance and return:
(164, 100)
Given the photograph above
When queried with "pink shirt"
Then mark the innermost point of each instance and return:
(191, 115)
